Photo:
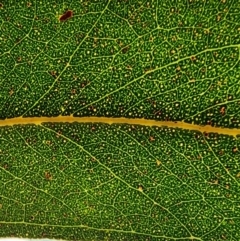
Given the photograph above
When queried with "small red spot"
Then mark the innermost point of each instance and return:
(66, 15)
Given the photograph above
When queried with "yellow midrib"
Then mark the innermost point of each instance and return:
(109, 120)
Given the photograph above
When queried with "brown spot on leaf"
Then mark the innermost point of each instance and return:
(125, 49)
(221, 152)
(193, 58)
(68, 14)
(222, 110)
(207, 31)
(129, 67)
(48, 176)
(235, 149)
(48, 142)
(151, 138)
(206, 134)
(53, 73)
(148, 69)
(73, 91)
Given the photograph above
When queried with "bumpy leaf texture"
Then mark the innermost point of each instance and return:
(159, 60)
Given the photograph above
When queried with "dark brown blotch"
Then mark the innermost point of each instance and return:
(48, 176)
(125, 49)
(68, 14)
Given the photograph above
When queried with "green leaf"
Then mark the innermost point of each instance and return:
(120, 122)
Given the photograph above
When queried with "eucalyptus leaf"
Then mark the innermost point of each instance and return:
(120, 120)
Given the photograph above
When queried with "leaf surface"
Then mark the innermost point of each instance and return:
(79, 179)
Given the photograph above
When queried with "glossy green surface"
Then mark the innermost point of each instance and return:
(153, 59)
